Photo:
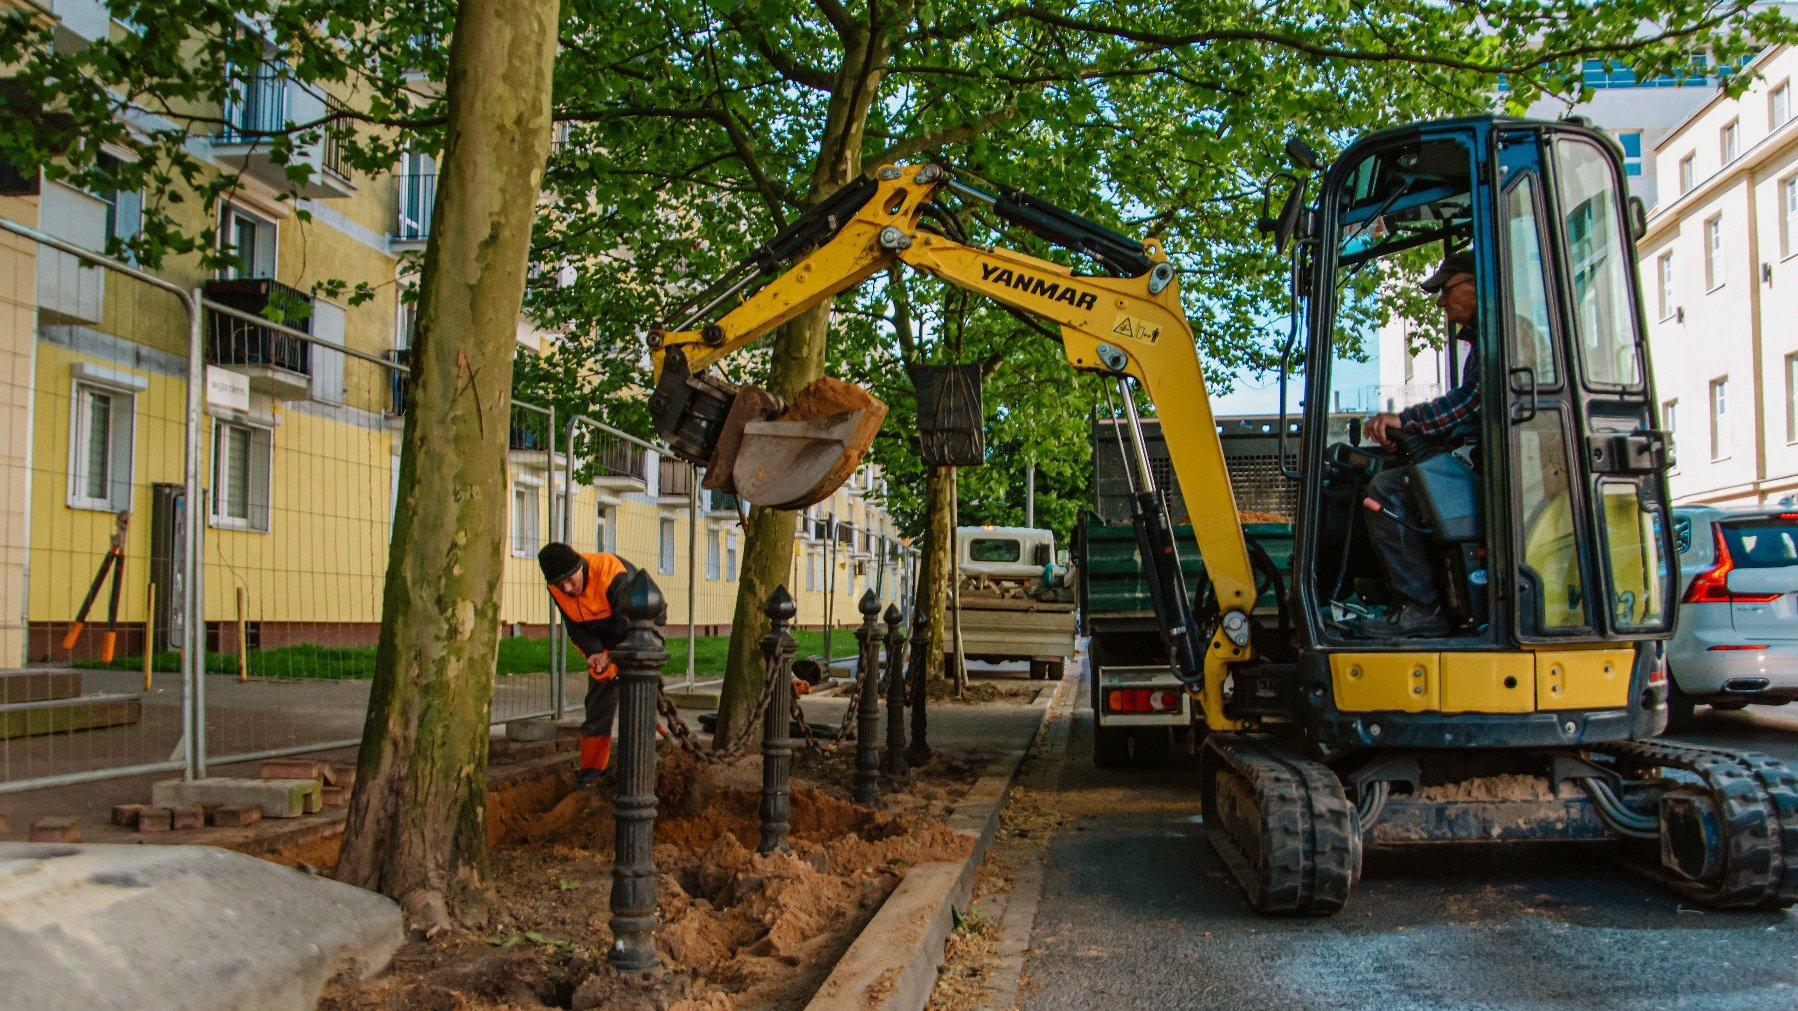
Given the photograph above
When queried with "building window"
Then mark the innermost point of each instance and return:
(100, 427)
(1792, 397)
(1666, 270)
(1729, 141)
(665, 555)
(1719, 418)
(1713, 252)
(124, 214)
(1686, 174)
(1788, 216)
(730, 554)
(1670, 423)
(713, 562)
(241, 468)
(251, 240)
(1779, 105)
(811, 569)
(527, 536)
(1632, 152)
(602, 529)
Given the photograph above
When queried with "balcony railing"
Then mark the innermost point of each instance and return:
(232, 341)
(720, 502)
(258, 108)
(529, 439)
(676, 479)
(331, 158)
(399, 384)
(417, 193)
(622, 461)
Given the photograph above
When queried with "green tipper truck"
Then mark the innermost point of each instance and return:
(1139, 706)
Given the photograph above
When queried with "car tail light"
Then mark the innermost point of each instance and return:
(1730, 647)
(1712, 585)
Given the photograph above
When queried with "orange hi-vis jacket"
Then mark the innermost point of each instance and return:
(595, 618)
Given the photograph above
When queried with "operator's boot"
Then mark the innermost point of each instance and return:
(596, 757)
(1409, 620)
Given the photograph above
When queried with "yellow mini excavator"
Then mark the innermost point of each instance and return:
(1534, 713)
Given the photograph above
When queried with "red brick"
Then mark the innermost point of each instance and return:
(4, 828)
(340, 775)
(335, 796)
(55, 830)
(154, 819)
(126, 814)
(186, 816)
(294, 768)
(235, 815)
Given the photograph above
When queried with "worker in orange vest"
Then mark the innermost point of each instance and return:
(589, 589)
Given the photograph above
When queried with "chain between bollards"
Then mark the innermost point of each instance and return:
(867, 752)
(640, 659)
(894, 758)
(918, 752)
(778, 647)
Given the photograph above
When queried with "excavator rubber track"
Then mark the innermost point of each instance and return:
(1753, 861)
(1282, 824)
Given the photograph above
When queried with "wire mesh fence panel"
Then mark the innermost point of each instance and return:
(301, 478)
(522, 688)
(93, 408)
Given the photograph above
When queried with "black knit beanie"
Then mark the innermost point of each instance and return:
(559, 561)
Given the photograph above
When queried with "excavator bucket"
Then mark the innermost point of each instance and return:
(769, 452)
(802, 456)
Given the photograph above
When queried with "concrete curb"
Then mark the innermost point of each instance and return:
(892, 964)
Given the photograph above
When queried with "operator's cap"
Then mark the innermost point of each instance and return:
(1452, 264)
(559, 561)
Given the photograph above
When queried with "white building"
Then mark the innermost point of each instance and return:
(1719, 279)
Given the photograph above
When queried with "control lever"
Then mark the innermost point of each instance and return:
(1354, 432)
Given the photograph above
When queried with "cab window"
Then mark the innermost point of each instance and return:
(1592, 228)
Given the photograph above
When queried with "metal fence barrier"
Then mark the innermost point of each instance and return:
(256, 448)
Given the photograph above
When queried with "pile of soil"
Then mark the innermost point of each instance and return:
(737, 930)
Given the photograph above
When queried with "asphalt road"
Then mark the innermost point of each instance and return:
(1137, 912)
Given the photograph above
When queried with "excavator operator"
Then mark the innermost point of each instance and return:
(1392, 516)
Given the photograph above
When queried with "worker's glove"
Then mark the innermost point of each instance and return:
(599, 667)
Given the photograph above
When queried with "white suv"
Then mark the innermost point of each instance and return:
(1736, 640)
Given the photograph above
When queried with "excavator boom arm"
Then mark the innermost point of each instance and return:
(1110, 325)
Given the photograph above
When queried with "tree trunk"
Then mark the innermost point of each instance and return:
(933, 578)
(417, 827)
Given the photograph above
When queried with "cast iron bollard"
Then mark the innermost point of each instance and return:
(639, 658)
(894, 759)
(867, 753)
(777, 748)
(918, 752)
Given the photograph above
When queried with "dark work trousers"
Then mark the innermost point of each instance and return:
(602, 706)
(1402, 550)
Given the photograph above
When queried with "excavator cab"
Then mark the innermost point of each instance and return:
(1543, 512)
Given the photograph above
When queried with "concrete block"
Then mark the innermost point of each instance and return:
(235, 815)
(278, 798)
(155, 819)
(187, 816)
(179, 927)
(55, 830)
(38, 685)
(543, 729)
(83, 712)
(126, 814)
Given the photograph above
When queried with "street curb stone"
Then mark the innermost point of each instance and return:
(892, 964)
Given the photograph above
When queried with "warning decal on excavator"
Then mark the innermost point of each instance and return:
(1136, 329)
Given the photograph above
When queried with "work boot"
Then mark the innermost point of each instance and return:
(589, 777)
(1409, 620)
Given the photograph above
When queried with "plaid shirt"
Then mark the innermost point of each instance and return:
(1441, 415)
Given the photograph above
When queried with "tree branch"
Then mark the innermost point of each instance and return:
(954, 135)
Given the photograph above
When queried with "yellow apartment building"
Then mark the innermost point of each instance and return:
(300, 441)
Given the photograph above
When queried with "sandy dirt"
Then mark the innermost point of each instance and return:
(738, 930)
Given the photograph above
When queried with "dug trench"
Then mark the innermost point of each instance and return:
(737, 930)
